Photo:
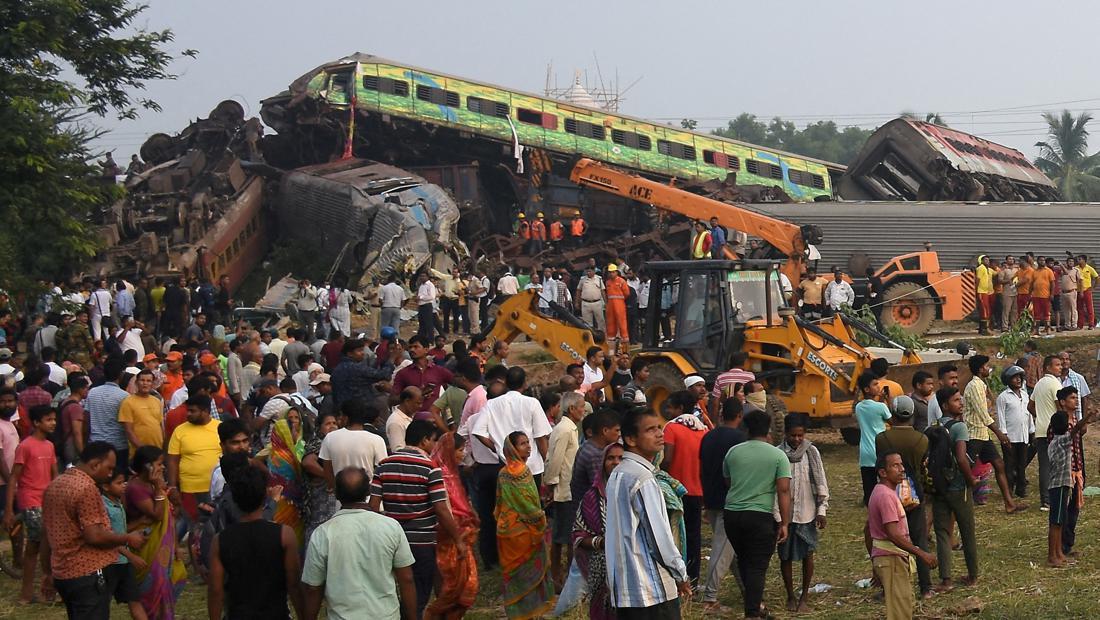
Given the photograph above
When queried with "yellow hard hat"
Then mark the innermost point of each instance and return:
(522, 216)
(612, 267)
(540, 214)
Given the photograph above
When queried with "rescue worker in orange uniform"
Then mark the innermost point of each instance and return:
(617, 293)
(557, 231)
(538, 235)
(577, 229)
(523, 227)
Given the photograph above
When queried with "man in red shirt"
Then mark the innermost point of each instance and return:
(683, 435)
(423, 373)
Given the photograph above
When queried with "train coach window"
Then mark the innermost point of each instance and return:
(438, 96)
(540, 119)
(721, 160)
(764, 169)
(631, 139)
(584, 129)
(675, 149)
(487, 107)
(385, 85)
(800, 177)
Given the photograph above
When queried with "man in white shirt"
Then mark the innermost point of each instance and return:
(486, 469)
(392, 297)
(353, 445)
(512, 412)
(1017, 425)
(594, 378)
(426, 296)
(1043, 405)
(99, 307)
(839, 293)
(483, 298)
(129, 337)
(411, 400)
(508, 285)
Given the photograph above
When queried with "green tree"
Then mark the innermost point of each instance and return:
(745, 128)
(821, 140)
(689, 123)
(1064, 156)
(62, 64)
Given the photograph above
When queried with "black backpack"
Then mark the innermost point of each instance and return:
(942, 465)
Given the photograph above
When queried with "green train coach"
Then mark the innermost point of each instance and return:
(382, 86)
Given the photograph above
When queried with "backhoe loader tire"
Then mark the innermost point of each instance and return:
(664, 379)
(909, 306)
(850, 435)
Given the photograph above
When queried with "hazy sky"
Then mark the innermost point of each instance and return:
(988, 68)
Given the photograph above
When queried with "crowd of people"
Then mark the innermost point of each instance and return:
(381, 475)
(1057, 292)
(940, 458)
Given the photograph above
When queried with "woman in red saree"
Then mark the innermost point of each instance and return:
(459, 583)
(528, 591)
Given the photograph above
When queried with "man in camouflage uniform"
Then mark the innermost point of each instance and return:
(74, 340)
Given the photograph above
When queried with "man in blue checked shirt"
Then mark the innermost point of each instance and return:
(645, 570)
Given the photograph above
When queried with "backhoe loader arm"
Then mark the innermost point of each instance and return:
(566, 340)
(784, 236)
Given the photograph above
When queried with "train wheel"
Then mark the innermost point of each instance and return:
(664, 379)
(908, 306)
(157, 149)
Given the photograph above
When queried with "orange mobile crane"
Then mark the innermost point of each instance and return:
(793, 242)
(915, 289)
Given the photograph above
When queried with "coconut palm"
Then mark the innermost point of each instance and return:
(1064, 156)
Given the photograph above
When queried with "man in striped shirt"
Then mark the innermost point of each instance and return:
(725, 382)
(645, 570)
(411, 486)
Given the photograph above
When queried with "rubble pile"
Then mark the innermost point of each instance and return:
(189, 183)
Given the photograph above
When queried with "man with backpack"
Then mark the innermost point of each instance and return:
(949, 471)
(912, 445)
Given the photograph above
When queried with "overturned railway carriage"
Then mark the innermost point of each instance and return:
(526, 143)
(907, 159)
(507, 116)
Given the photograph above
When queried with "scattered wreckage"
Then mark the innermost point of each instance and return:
(209, 205)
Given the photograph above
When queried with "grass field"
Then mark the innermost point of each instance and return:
(1014, 582)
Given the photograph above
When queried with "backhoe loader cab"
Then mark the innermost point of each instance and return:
(698, 315)
(699, 309)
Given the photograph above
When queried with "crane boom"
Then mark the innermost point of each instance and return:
(789, 239)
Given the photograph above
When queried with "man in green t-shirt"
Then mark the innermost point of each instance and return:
(758, 474)
(957, 503)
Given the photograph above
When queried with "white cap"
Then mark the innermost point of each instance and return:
(693, 380)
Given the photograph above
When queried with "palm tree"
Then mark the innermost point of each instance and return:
(1064, 156)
